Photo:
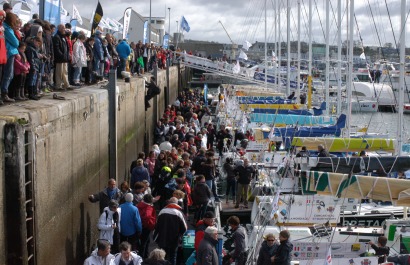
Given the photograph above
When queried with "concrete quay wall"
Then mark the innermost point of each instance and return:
(71, 160)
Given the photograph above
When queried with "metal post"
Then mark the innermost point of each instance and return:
(166, 90)
(149, 24)
(220, 245)
(112, 123)
(169, 21)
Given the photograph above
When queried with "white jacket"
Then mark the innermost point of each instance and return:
(79, 54)
(136, 260)
(105, 224)
(94, 259)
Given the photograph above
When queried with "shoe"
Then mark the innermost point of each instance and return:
(6, 98)
(236, 206)
(18, 98)
(34, 97)
(69, 88)
(47, 90)
(1, 102)
(77, 84)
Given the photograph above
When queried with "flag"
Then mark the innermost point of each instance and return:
(97, 17)
(112, 24)
(127, 19)
(328, 260)
(166, 41)
(242, 55)
(145, 32)
(246, 45)
(184, 25)
(103, 24)
(76, 15)
(206, 95)
(52, 11)
(363, 56)
(271, 133)
(237, 68)
(275, 204)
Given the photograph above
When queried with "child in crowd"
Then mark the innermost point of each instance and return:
(139, 189)
(34, 58)
(21, 69)
(381, 249)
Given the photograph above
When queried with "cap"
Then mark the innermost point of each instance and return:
(129, 197)
(209, 214)
(112, 204)
(98, 32)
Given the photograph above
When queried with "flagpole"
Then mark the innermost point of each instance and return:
(149, 24)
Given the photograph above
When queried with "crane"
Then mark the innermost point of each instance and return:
(234, 46)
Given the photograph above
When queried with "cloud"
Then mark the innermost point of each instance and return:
(244, 19)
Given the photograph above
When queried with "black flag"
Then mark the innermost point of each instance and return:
(97, 17)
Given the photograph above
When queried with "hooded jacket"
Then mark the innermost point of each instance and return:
(282, 256)
(201, 193)
(266, 252)
(135, 259)
(94, 259)
(206, 254)
(12, 43)
(105, 224)
(148, 215)
(130, 219)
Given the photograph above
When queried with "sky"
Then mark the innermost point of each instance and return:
(245, 19)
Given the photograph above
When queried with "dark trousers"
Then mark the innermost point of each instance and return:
(145, 240)
(231, 187)
(171, 254)
(132, 239)
(200, 211)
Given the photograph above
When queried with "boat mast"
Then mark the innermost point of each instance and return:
(350, 68)
(266, 49)
(327, 99)
(279, 50)
(288, 46)
(402, 69)
(298, 78)
(276, 73)
(310, 57)
(339, 57)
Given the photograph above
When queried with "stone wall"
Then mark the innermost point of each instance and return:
(71, 159)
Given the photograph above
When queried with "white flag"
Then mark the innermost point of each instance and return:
(271, 134)
(246, 45)
(112, 24)
(242, 55)
(328, 260)
(362, 56)
(237, 68)
(76, 15)
(127, 19)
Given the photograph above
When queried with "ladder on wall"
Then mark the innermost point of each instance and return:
(19, 148)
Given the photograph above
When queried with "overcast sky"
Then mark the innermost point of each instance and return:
(245, 19)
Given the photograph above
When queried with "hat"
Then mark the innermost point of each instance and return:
(7, 6)
(129, 197)
(209, 214)
(98, 32)
(112, 204)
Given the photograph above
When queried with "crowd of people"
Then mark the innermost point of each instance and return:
(39, 57)
(171, 187)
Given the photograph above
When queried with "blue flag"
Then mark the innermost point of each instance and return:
(184, 24)
(206, 95)
(145, 40)
(166, 41)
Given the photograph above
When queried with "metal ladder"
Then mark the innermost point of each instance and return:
(321, 230)
(30, 196)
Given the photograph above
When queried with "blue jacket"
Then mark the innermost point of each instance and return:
(98, 49)
(123, 49)
(12, 43)
(130, 219)
(139, 173)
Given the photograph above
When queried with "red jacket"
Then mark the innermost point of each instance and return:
(148, 215)
(3, 51)
(199, 233)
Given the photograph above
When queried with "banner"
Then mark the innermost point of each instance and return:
(52, 11)
(127, 19)
(206, 95)
(145, 32)
(97, 17)
(112, 24)
(76, 15)
(166, 41)
(184, 25)
(246, 45)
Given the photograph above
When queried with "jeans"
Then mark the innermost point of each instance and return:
(231, 187)
(121, 67)
(132, 239)
(8, 73)
(77, 75)
(211, 184)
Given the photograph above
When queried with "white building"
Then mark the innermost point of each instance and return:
(136, 28)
